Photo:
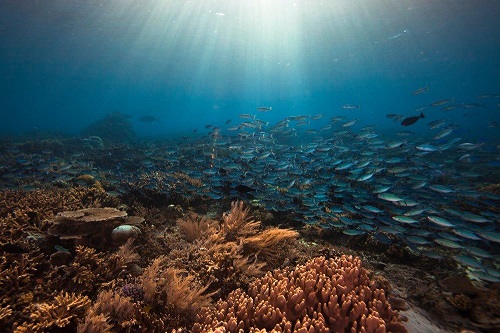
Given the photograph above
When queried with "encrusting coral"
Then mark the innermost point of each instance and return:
(323, 295)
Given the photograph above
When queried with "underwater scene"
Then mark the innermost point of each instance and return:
(249, 166)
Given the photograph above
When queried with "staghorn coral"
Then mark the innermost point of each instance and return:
(61, 312)
(5, 312)
(332, 295)
(90, 268)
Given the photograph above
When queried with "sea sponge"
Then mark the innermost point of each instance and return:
(323, 295)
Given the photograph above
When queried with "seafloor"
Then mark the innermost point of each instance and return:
(195, 264)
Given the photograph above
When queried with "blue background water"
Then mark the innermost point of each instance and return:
(66, 64)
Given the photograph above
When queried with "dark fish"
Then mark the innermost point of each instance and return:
(412, 120)
(243, 189)
(148, 119)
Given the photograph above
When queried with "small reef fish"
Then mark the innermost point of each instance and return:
(412, 120)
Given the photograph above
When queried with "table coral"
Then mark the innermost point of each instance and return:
(323, 295)
(90, 223)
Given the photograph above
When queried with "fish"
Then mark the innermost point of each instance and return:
(451, 107)
(443, 133)
(427, 148)
(246, 116)
(350, 106)
(264, 108)
(405, 219)
(440, 221)
(441, 102)
(350, 123)
(412, 120)
(420, 90)
(148, 119)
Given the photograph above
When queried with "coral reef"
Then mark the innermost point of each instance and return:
(181, 262)
(323, 295)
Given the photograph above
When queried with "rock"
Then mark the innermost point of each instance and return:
(122, 233)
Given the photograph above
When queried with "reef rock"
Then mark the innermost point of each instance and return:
(123, 233)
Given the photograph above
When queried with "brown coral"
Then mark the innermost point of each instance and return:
(61, 312)
(323, 295)
(194, 226)
(171, 286)
(226, 254)
(110, 307)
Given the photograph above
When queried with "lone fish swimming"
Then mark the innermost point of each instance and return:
(412, 120)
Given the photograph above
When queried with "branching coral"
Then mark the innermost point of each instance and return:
(61, 312)
(333, 295)
(89, 268)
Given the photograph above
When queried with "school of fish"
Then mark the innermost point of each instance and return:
(420, 190)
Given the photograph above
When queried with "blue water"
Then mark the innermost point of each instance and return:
(66, 64)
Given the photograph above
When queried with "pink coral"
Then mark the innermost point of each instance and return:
(323, 295)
